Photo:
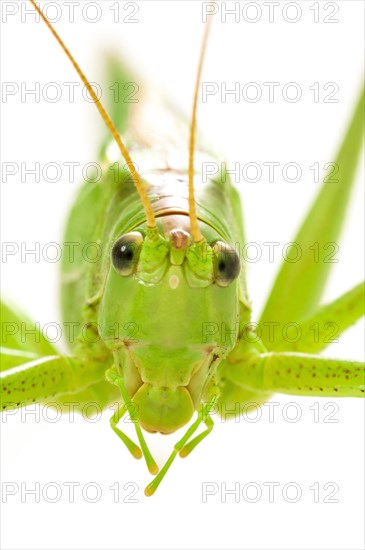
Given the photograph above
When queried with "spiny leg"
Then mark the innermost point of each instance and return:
(302, 374)
(33, 371)
(297, 374)
(115, 378)
(45, 377)
(203, 416)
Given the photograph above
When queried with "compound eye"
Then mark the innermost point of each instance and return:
(126, 251)
(226, 264)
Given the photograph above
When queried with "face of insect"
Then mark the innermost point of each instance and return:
(169, 311)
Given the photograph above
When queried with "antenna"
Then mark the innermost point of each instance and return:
(151, 223)
(195, 231)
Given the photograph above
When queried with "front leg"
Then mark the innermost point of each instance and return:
(113, 375)
(183, 447)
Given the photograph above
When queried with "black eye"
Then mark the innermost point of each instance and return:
(226, 264)
(125, 252)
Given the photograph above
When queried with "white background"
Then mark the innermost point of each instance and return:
(163, 47)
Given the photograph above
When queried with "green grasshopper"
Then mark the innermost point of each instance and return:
(169, 249)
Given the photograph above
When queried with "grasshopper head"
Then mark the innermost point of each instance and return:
(170, 312)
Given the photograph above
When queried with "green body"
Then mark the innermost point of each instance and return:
(167, 340)
(167, 360)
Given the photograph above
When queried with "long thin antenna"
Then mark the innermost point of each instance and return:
(195, 231)
(151, 223)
